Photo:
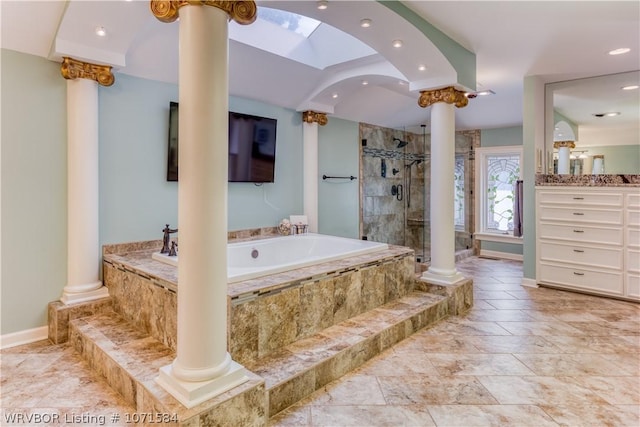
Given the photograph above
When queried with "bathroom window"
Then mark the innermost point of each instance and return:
(458, 180)
(498, 169)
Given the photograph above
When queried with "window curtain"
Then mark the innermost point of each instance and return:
(517, 209)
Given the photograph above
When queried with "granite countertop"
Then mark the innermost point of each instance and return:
(629, 180)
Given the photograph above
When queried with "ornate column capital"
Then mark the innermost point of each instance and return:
(450, 95)
(244, 12)
(72, 69)
(313, 117)
(558, 144)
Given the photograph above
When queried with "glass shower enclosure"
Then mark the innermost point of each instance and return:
(394, 199)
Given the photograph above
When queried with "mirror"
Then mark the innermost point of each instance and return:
(592, 125)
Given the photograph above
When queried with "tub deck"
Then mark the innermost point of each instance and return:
(294, 331)
(137, 258)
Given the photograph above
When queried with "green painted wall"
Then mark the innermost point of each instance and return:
(500, 137)
(34, 196)
(135, 198)
(338, 200)
(533, 136)
(136, 201)
(619, 159)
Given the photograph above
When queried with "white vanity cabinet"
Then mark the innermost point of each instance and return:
(588, 239)
(632, 248)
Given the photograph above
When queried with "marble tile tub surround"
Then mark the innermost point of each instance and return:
(463, 371)
(59, 314)
(144, 292)
(589, 180)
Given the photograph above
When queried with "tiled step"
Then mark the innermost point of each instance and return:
(130, 360)
(304, 366)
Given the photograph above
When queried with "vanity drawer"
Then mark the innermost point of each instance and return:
(633, 200)
(633, 260)
(581, 234)
(582, 255)
(595, 281)
(579, 198)
(579, 215)
(633, 286)
(633, 217)
(633, 237)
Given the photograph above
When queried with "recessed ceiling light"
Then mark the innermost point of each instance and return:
(630, 87)
(397, 43)
(323, 4)
(364, 83)
(619, 51)
(101, 32)
(422, 67)
(334, 95)
(365, 23)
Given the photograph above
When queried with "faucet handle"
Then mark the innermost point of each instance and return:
(174, 248)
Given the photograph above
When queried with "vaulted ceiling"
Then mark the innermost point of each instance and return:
(510, 40)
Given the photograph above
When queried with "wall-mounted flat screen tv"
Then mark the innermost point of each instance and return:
(252, 147)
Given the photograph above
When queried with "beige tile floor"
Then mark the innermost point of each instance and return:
(520, 357)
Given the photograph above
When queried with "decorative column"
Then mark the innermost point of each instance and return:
(203, 368)
(564, 155)
(83, 243)
(311, 120)
(442, 269)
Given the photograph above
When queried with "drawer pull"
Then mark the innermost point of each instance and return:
(578, 251)
(578, 213)
(578, 198)
(578, 274)
(578, 231)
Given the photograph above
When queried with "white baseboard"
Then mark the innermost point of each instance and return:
(23, 337)
(500, 255)
(530, 283)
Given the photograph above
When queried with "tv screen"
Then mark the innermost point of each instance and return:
(252, 147)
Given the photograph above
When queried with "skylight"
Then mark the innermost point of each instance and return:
(298, 24)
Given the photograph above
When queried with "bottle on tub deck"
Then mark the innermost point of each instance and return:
(299, 224)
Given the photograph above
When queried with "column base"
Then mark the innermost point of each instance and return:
(441, 279)
(191, 394)
(98, 292)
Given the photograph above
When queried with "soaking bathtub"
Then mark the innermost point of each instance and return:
(256, 258)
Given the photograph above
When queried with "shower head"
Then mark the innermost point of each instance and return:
(401, 143)
(415, 162)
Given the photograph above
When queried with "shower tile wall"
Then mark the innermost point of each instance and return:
(383, 217)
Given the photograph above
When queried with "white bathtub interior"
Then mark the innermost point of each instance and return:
(256, 258)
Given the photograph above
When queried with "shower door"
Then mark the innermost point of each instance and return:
(395, 164)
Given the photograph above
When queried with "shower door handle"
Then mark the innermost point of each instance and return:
(400, 193)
